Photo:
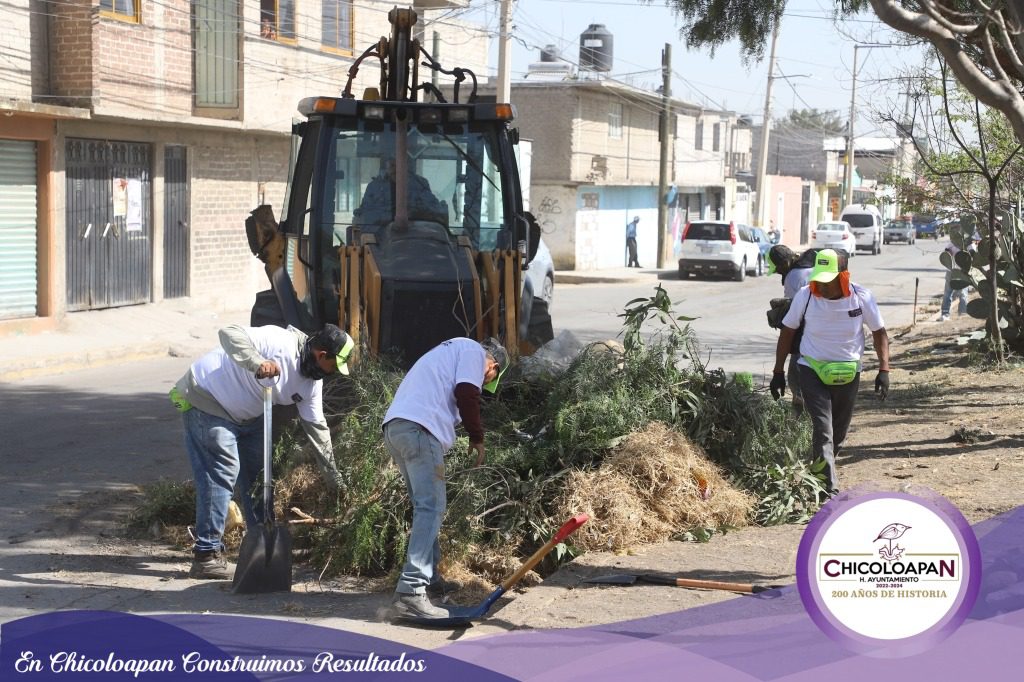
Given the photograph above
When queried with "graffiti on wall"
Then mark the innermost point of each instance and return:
(547, 209)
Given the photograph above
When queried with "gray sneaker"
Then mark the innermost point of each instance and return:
(416, 606)
(208, 566)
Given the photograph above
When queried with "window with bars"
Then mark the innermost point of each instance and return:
(277, 20)
(216, 27)
(716, 137)
(337, 25)
(127, 10)
(615, 121)
(698, 135)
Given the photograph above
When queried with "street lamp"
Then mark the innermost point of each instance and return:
(848, 176)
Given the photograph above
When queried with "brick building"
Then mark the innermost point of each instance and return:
(136, 136)
(596, 160)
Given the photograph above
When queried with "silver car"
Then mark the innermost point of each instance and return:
(899, 231)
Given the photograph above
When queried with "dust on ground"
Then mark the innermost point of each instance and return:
(950, 425)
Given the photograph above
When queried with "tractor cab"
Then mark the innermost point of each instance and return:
(404, 219)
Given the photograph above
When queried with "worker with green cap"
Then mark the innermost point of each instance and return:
(221, 401)
(833, 311)
(441, 391)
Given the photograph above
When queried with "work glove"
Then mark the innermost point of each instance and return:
(882, 384)
(778, 385)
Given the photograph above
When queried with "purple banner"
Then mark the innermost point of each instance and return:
(767, 636)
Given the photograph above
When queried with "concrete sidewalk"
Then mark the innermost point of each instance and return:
(115, 335)
(613, 275)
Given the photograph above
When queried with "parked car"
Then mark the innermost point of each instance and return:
(926, 225)
(764, 242)
(835, 235)
(900, 231)
(541, 273)
(714, 246)
(866, 224)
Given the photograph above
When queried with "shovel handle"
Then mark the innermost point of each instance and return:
(745, 588)
(567, 529)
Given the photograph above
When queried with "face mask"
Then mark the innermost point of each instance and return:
(308, 366)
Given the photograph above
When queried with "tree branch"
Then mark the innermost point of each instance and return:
(1001, 96)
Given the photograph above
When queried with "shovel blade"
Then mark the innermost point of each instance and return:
(620, 579)
(264, 561)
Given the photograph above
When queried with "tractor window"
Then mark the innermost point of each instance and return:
(453, 180)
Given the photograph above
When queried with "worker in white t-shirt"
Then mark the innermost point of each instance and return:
(221, 399)
(441, 391)
(834, 311)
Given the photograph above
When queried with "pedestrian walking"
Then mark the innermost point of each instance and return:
(949, 292)
(441, 390)
(833, 311)
(795, 270)
(221, 400)
(631, 242)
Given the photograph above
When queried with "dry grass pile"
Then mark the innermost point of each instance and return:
(301, 486)
(481, 570)
(655, 485)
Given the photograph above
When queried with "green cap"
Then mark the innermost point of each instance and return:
(494, 348)
(826, 266)
(771, 263)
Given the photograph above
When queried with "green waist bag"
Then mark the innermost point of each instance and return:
(179, 401)
(833, 373)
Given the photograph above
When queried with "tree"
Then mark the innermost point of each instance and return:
(981, 40)
(970, 172)
(814, 119)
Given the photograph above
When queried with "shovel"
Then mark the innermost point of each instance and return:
(265, 557)
(464, 615)
(654, 579)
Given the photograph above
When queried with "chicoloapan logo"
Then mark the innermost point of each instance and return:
(888, 574)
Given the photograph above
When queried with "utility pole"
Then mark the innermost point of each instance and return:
(436, 52)
(666, 149)
(848, 176)
(762, 165)
(848, 179)
(505, 53)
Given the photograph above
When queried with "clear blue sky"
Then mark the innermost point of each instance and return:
(813, 50)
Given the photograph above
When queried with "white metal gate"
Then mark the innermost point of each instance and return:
(18, 229)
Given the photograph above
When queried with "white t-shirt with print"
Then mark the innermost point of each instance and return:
(834, 330)
(241, 395)
(427, 393)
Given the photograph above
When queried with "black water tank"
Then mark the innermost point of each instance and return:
(596, 49)
(550, 53)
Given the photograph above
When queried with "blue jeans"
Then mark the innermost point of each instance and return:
(420, 458)
(949, 292)
(222, 453)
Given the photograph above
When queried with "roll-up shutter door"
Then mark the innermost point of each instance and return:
(18, 230)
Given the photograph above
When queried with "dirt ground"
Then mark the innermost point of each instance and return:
(949, 425)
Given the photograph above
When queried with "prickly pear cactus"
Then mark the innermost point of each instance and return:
(971, 267)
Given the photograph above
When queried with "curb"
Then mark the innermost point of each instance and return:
(574, 278)
(53, 365)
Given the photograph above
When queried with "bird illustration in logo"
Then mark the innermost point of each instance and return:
(891, 532)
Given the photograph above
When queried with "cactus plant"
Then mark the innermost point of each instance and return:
(972, 268)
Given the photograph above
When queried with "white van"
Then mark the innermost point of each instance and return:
(866, 224)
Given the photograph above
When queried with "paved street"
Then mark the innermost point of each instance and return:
(731, 324)
(74, 443)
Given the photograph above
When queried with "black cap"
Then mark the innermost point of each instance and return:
(337, 343)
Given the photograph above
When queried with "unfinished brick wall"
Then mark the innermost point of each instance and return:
(71, 50)
(225, 179)
(145, 68)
